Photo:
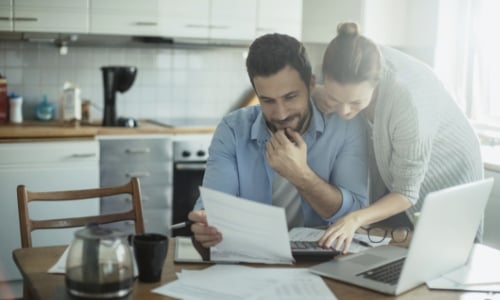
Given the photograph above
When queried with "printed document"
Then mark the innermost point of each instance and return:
(251, 231)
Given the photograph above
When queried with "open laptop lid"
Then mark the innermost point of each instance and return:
(441, 241)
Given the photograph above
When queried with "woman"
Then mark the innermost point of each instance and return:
(420, 140)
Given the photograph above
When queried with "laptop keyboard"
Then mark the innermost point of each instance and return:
(388, 273)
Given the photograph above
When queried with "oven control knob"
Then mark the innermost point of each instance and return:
(200, 153)
(186, 153)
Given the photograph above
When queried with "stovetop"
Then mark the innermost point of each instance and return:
(186, 122)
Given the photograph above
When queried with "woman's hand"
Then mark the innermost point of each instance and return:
(206, 235)
(340, 234)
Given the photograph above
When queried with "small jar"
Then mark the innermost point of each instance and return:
(16, 108)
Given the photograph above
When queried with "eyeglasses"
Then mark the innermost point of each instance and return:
(378, 234)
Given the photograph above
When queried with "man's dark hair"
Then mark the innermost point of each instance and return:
(270, 53)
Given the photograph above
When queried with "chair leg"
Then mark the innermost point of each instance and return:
(27, 293)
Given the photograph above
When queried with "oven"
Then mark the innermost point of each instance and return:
(190, 157)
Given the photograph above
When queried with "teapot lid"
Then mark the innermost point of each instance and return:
(96, 232)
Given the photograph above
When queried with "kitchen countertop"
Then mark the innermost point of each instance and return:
(35, 130)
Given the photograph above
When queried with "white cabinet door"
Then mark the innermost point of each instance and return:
(271, 17)
(124, 17)
(185, 19)
(6, 14)
(321, 17)
(61, 165)
(69, 16)
(233, 19)
(208, 19)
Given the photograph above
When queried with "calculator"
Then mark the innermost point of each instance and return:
(311, 251)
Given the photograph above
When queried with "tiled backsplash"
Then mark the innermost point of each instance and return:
(171, 82)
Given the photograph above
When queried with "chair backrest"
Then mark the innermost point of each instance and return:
(28, 225)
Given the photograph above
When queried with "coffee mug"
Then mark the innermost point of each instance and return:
(150, 251)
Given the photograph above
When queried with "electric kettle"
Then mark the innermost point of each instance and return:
(99, 264)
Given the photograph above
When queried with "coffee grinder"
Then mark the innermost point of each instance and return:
(116, 79)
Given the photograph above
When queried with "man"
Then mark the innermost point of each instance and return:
(285, 152)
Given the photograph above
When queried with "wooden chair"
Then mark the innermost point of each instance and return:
(28, 225)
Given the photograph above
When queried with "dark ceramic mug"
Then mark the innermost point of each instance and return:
(150, 251)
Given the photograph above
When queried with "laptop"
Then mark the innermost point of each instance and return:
(442, 240)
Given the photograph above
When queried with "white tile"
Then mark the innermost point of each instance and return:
(132, 57)
(31, 76)
(164, 77)
(147, 58)
(50, 76)
(13, 58)
(180, 59)
(48, 57)
(164, 60)
(31, 58)
(14, 76)
(147, 77)
(180, 78)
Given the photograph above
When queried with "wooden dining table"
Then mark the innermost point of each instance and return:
(34, 263)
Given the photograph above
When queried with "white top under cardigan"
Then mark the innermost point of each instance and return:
(422, 141)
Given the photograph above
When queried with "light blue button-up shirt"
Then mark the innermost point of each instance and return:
(336, 152)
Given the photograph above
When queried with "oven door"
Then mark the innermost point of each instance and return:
(188, 176)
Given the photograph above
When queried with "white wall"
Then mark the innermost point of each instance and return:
(171, 82)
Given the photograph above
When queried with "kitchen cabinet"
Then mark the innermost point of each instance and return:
(208, 19)
(44, 166)
(269, 20)
(6, 15)
(148, 158)
(321, 17)
(124, 17)
(65, 16)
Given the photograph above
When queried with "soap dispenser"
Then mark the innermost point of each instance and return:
(44, 110)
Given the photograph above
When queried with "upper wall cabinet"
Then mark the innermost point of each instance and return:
(187, 18)
(6, 15)
(208, 19)
(269, 18)
(69, 16)
(233, 19)
(320, 18)
(124, 17)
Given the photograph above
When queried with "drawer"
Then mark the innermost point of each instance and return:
(136, 150)
(49, 152)
(156, 220)
(151, 173)
(159, 197)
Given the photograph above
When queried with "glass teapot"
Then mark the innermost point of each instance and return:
(99, 264)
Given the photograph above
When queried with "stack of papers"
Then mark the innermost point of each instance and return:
(242, 282)
(479, 274)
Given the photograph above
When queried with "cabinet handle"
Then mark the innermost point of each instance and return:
(5, 19)
(26, 19)
(197, 26)
(200, 166)
(219, 27)
(138, 151)
(83, 155)
(138, 174)
(146, 23)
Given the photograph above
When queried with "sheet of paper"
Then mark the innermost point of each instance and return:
(251, 231)
(314, 234)
(482, 267)
(242, 282)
